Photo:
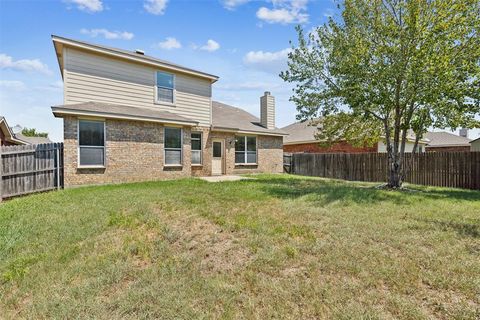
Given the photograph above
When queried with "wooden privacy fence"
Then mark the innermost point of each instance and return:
(30, 168)
(443, 169)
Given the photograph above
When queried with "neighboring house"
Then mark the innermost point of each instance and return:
(13, 136)
(131, 117)
(17, 130)
(447, 142)
(7, 137)
(475, 145)
(301, 139)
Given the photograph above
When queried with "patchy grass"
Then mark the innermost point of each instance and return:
(272, 247)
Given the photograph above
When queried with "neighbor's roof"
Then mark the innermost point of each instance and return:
(476, 139)
(7, 131)
(32, 140)
(304, 132)
(300, 132)
(115, 111)
(59, 42)
(229, 118)
(446, 139)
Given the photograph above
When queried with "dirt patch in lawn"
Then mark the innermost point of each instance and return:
(212, 248)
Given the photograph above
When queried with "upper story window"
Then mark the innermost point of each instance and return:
(91, 143)
(165, 83)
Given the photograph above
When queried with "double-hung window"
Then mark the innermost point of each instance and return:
(196, 139)
(245, 149)
(165, 83)
(173, 146)
(91, 143)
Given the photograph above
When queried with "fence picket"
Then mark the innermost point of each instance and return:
(444, 169)
(30, 168)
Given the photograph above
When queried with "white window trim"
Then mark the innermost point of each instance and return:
(201, 148)
(155, 99)
(104, 146)
(165, 149)
(246, 151)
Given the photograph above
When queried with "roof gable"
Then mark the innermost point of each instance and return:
(60, 42)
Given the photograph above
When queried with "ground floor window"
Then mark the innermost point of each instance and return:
(91, 143)
(196, 141)
(173, 146)
(245, 149)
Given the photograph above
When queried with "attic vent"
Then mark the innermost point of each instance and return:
(138, 51)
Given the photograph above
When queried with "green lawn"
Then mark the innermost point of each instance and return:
(275, 246)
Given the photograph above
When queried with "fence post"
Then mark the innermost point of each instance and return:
(57, 151)
(1, 173)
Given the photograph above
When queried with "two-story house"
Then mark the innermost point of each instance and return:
(131, 117)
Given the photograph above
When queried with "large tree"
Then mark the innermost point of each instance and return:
(32, 132)
(387, 68)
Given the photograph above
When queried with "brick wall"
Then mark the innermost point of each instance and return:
(340, 147)
(269, 157)
(269, 152)
(134, 152)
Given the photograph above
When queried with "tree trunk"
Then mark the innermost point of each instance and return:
(395, 176)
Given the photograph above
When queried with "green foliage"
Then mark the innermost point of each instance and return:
(32, 132)
(391, 66)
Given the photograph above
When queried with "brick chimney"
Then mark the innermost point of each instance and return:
(267, 110)
(463, 132)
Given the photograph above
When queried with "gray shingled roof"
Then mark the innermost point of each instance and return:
(32, 140)
(118, 111)
(300, 132)
(445, 139)
(224, 116)
(233, 118)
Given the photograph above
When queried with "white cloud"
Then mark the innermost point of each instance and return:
(7, 62)
(232, 4)
(267, 61)
(12, 85)
(284, 12)
(210, 46)
(169, 44)
(107, 34)
(88, 5)
(156, 7)
(328, 13)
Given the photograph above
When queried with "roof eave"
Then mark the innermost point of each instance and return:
(253, 132)
(448, 145)
(301, 142)
(59, 112)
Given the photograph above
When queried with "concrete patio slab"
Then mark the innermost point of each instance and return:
(224, 178)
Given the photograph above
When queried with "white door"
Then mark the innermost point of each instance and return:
(217, 158)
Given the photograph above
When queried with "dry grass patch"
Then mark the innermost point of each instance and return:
(271, 247)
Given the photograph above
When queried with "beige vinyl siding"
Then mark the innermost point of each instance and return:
(475, 145)
(382, 147)
(91, 77)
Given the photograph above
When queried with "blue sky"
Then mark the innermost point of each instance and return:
(244, 42)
